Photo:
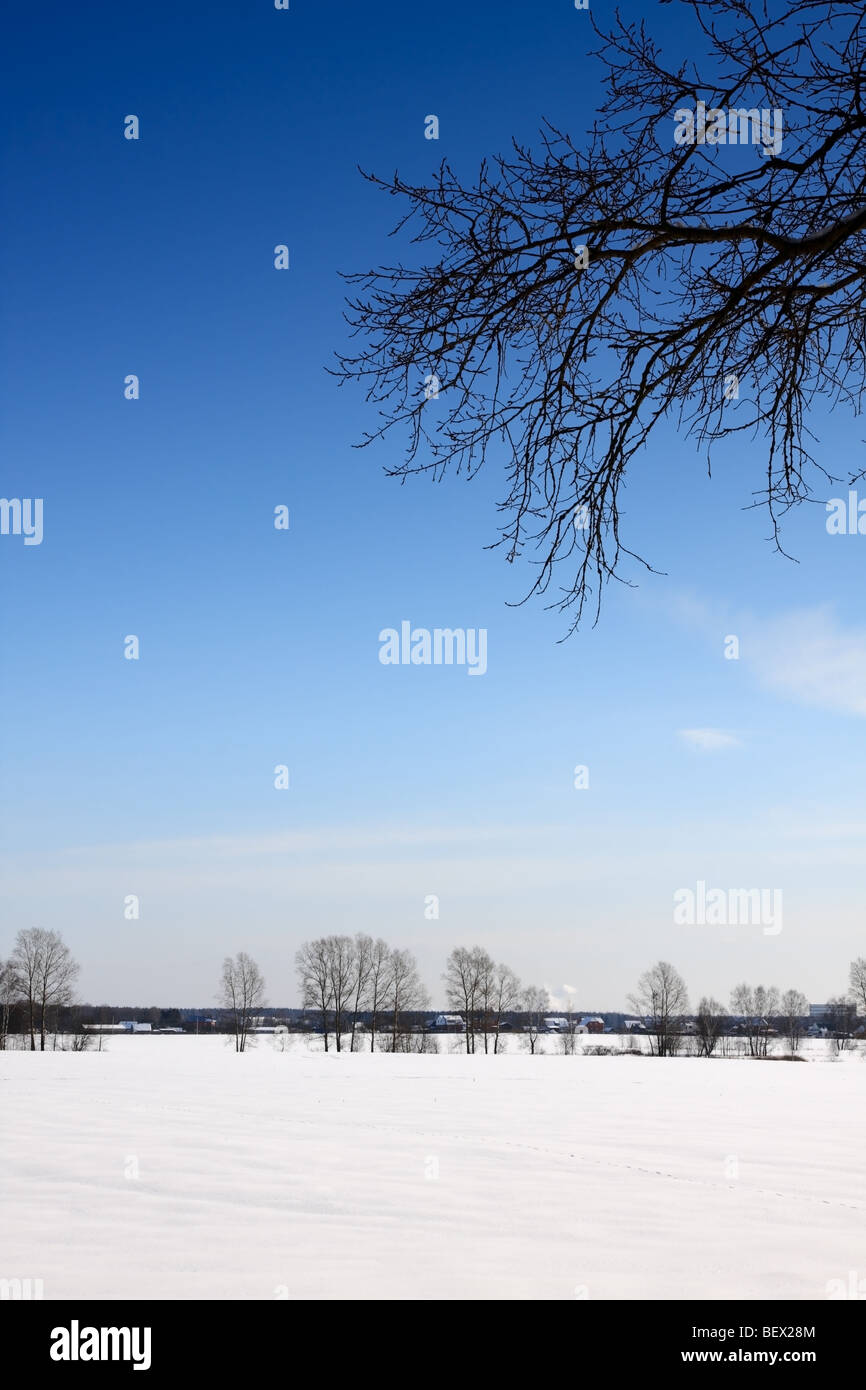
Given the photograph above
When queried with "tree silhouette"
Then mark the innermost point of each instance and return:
(579, 295)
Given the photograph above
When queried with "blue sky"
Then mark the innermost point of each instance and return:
(156, 777)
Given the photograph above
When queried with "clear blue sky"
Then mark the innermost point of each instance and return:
(155, 777)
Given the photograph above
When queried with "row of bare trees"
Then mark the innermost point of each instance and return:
(341, 977)
(662, 1001)
(484, 992)
(756, 1007)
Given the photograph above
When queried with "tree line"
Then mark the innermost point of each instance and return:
(362, 989)
(343, 977)
(662, 1001)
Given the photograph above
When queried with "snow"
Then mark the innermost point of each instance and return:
(170, 1167)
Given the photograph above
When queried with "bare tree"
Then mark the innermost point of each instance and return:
(363, 964)
(743, 1006)
(57, 974)
(405, 992)
(315, 979)
(380, 974)
(857, 983)
(710, 1017)
(47, 972)
(576, 298)
(462, 982)
(568, 1037)
(756, 1007)
(506, 993)
(10, 992)
(333, 972)
(242, 990)
(343, 966)
(662, 999)
(795, 1008)
(486, 994)
(533, 1001)
(841, 1020)
(25, 962)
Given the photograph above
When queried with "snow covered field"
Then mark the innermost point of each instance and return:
(170, 1167)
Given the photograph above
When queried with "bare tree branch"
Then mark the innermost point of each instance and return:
(703, 266)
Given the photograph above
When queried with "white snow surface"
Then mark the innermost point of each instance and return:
(171, 1167)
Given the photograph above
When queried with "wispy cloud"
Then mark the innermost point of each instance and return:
(806, 655)
(811, 657)
(336, 839)
(709, 740)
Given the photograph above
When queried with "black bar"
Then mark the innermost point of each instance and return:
(234, 1339)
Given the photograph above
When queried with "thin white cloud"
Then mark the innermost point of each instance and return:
(809, 656)
(709, 740)
(334, 839)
